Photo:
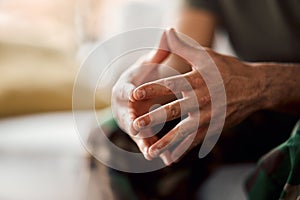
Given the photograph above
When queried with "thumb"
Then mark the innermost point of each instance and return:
(184, 46)
(162, 52)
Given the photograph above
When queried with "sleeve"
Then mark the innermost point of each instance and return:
(209, 5)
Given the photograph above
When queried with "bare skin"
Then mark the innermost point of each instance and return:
(249, 87)
(197, 24)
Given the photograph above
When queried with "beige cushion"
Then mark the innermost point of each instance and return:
(37, 56)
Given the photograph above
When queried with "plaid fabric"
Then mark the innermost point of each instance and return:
(277, 175)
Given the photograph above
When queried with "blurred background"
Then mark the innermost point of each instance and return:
(42, 44)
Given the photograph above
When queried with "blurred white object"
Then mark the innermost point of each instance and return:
(41, 157)
(117, 17)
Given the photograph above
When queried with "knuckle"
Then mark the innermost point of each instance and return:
(162, 145)
(173, 111)
(182, 132)
(170, 85)
(191, 102)
(205, 100)
(194, 144)
(205, 119)
(197, 81)
(149, 90)
(194, 101)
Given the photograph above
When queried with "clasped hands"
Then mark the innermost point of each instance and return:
(140, 88)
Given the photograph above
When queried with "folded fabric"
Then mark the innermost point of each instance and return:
(277, 175)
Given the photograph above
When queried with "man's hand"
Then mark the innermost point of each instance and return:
(126, 109)
(243, 84)
(249, 87)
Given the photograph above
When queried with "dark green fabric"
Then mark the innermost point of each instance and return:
(278, 173)
(176, 182)
(181, 180)
(259, 30)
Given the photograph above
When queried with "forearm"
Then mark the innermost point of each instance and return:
(198, 24)
(281, 86)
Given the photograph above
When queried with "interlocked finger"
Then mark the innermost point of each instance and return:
(177, 134)
(167, 86)
(166, 113)
(144, 144)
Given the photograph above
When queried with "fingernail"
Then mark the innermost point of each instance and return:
(154, 153)
(140, 94)
(138, 125)
(167, 161)
(141, 123)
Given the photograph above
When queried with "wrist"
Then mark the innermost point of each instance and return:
(262, 78)
(280, 84)
(271, 85)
